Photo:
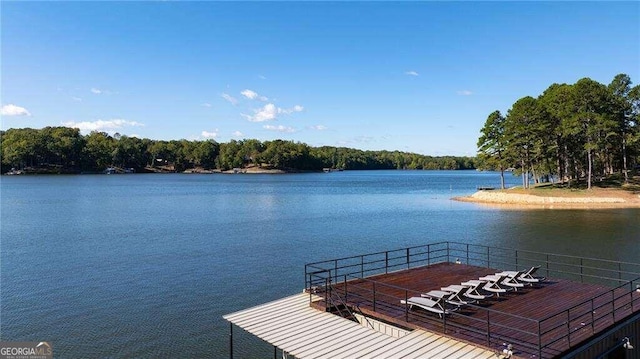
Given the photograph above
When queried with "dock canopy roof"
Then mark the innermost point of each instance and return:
(296, 328)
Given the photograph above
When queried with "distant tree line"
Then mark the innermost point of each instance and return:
(567, 133)
(66, 150)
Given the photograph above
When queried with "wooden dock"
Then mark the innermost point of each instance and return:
(584, 308)
(544, 320)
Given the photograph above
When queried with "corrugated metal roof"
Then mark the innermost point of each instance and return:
(293, 326)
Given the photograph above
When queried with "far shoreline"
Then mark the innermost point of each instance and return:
(516, 198)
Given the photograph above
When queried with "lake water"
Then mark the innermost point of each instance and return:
(146, 265)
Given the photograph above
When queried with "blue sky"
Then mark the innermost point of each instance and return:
(412, 76)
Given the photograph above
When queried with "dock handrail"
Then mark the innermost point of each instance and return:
(563, 266)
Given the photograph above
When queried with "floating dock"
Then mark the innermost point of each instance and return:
(353, 308)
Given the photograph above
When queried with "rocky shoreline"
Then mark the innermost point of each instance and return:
(595, 200)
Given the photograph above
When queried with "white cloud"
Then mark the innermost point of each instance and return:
(237, 134)
(266, 113)
(97, 91)
(296, 108)
(206, 104)
(207, 134)
(262, 77)
(412, 73)
(76, 99)
(249, 94)
(270, 112)
(252, 95)
(102, 125)
(465, 93)
(319, 127)
(13, 110)
(232, 100)
(280, 128)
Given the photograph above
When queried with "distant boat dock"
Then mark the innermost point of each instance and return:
(360, 307)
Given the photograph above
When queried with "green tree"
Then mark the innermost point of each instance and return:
(61, 146)
(204, 153)
(521, 135)
(623, 113)
(21, 147)
(98, 150)
(591, 119)
(230, 155)
(160, 153)
(633, 137)
(492, 143)
(557, 100)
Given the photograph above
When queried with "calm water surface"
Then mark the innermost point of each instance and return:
(146, 265)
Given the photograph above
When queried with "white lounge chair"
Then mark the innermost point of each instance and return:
(447, 296)
(434, 306)
(510, 279)
(472, 291)
(456, 292)
(492, 284)
(527, 276)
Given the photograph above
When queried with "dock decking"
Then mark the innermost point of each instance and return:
(546, 319)
(582, 298)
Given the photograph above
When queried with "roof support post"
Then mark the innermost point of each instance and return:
(386, 262)
(540, 336)
(230, 340)
(408, 259)
(406, 306)
(467, 253)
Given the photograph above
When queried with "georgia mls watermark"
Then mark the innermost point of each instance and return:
(26, 350)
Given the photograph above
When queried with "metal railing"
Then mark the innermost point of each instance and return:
(354, 280)
(368, 265)
(321, 279)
